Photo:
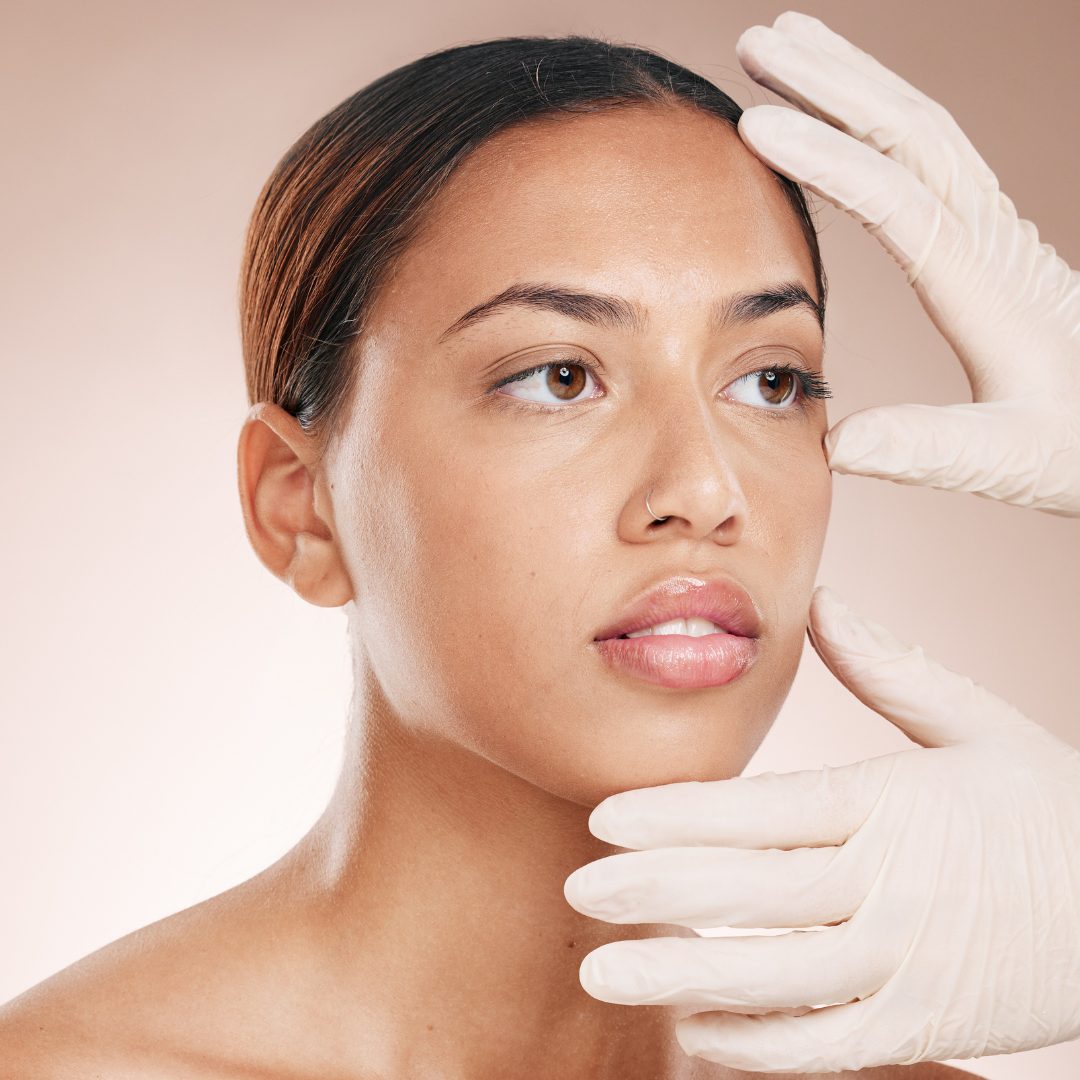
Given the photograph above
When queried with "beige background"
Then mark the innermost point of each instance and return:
(170, 714)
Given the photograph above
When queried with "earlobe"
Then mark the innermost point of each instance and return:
(289, 527)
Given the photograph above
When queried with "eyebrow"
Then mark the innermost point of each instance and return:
(591, 308)
(748, 307)
(615, 313)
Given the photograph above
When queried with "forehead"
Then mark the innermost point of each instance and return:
(625, 199)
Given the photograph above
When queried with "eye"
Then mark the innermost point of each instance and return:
(772, 389)
(554, 384)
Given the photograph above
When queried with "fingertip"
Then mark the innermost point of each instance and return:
(787, 140)
(832, 439)
(764, 118)
(767, 129)
(689, 1032)
(602, 819)
(795, 22)
(575, 889)
(750, 46)
(752, 35)
(847, 443)
(813, 31)
(826, 599)
(876, 442)
(595, 975)
(709, 1036)
(628, 818)
(836, 630)
(828, 613)
(588, 976)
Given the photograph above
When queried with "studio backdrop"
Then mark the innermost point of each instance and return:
(171, 715)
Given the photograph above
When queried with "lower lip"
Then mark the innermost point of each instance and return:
(679, 661)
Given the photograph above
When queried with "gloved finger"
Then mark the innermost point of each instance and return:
(822, 1041)
(786, 971)
(879, 116)
(995, 450)
(803, 809)
(929, 703)
(702, 887)
(815, 32)
(905, 216)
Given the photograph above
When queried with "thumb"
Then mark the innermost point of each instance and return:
(931, 704)
(990, 449)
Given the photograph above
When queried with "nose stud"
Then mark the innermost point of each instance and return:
(655, 520)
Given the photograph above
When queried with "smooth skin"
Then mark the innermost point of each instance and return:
(482, 542)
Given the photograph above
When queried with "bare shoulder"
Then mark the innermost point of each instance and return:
(167, 1001)
(40, 1039)
(87, 1020)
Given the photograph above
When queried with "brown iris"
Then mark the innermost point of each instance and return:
(566, 381)
(776, 386)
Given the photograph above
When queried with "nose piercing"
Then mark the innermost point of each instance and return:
(655, 520)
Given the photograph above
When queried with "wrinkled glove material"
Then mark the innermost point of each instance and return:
(876, 147)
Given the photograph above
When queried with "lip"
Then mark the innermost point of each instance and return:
(675, 660)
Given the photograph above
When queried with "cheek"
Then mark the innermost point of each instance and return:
(789, 494)
(470, 561)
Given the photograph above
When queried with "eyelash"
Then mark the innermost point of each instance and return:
(811, 384)
(521, 376)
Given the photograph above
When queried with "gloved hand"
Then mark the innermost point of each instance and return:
(953, 873)
(1006, 303)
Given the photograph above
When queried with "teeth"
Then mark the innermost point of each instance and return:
(695, 626)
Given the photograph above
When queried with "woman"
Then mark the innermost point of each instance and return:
(535, 345)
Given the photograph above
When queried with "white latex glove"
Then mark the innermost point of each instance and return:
(1006, 303)
(953, 872)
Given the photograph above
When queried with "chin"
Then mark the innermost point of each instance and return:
(671, 752)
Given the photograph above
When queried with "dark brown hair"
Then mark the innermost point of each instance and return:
(346, 197)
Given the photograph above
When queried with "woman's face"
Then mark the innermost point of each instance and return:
(598, 310)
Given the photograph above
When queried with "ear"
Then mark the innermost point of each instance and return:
(289, 519)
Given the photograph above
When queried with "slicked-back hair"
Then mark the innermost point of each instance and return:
(345, 199)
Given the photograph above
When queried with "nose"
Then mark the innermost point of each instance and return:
(689, 490)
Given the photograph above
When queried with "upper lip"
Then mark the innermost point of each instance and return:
(721, 600)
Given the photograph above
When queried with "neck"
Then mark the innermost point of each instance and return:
(437, 877)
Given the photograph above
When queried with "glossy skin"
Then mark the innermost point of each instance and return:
(479, 596)
(485, 543)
